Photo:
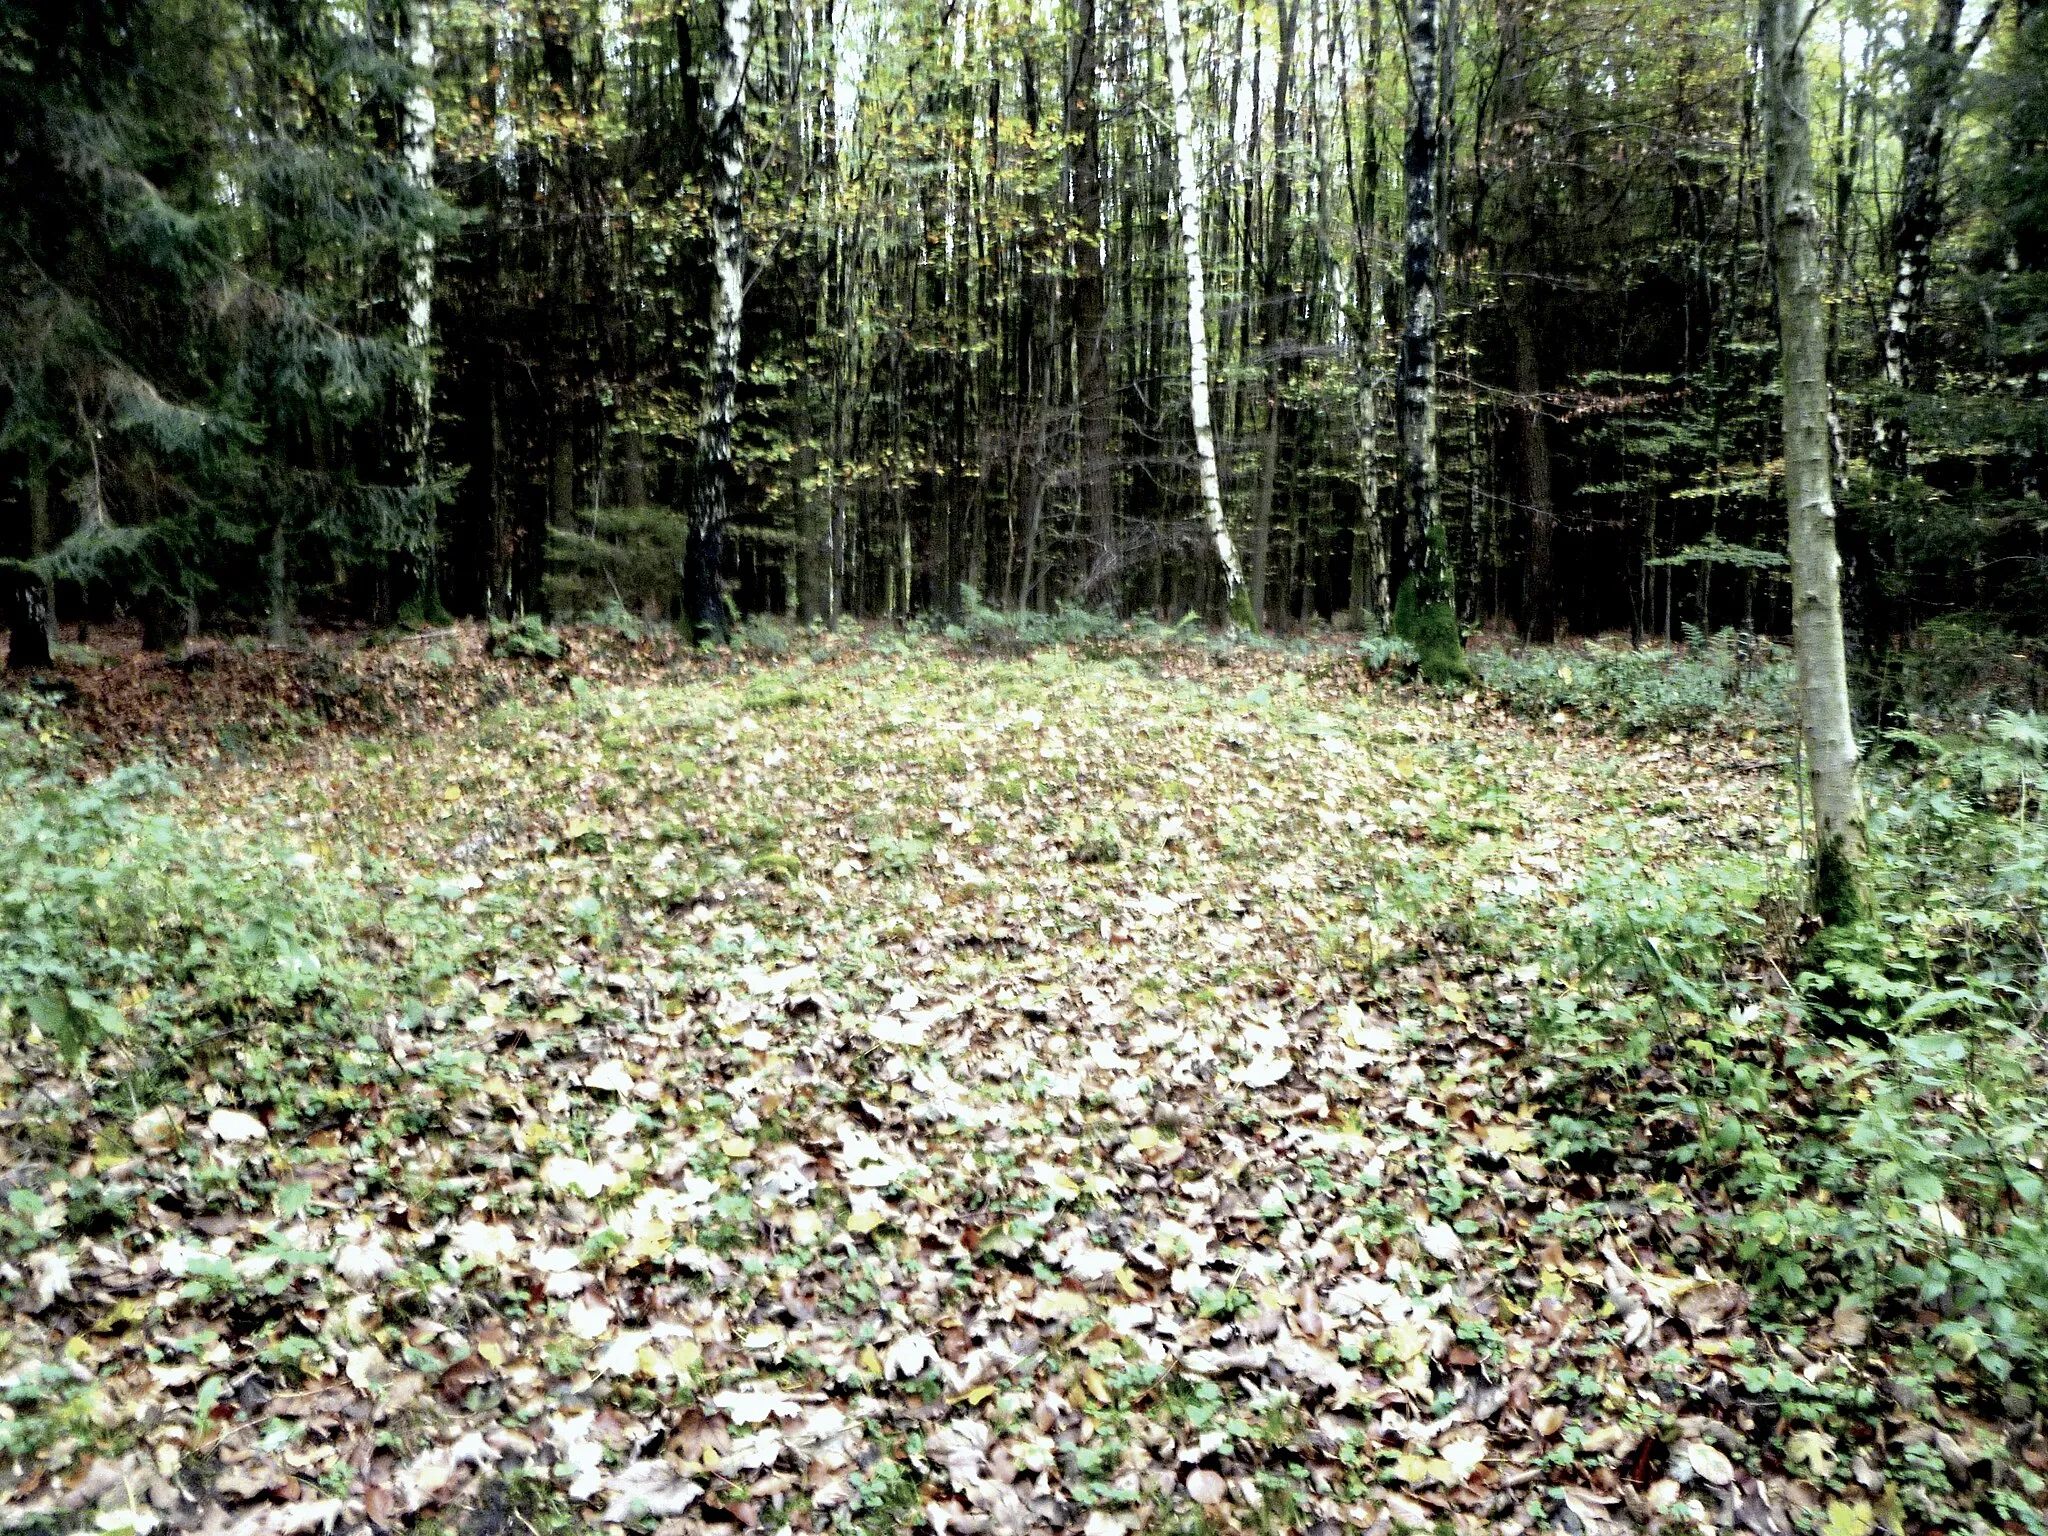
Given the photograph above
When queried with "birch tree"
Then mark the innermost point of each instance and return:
(1826, 731)
(712, 484)
(1091, 339)
(1916, 214)
(1275, 308)
(1189, 193)
(1425, 615)
(1369, 596)
(416, 276)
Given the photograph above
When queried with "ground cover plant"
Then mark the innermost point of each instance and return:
(886, 1084)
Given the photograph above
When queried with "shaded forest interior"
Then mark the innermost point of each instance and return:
(363, 313)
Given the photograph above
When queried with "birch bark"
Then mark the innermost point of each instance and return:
(711, 492)
(1370, 600)
(1190, 197)
(1276, 306)
(1916, 216)
(416, 283)
(1425, 614)
(1091, 337)
(1827, 732)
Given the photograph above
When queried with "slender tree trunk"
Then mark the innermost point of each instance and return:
(31, 601)
(32, 615)
(1426, 614)
(1916, 218)
(502, 565)
(1533, 442)
(632, 469)
(562, 466)
(1826, 730)
(499, 603)
(278, 574)
(416, 297)
(1370, 567)
(1275, 315)
(1091, 338)
(712, 488)
(1190, 194)
(812, 549)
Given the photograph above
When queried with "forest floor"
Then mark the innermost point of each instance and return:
(892, 1087)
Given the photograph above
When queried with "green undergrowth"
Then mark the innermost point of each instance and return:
(434, 968)
(1731, 680)
(142, 944)
(1860, 1114)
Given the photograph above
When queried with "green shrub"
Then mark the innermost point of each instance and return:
(525, 638)
(897, 856)
(777, 691)
(123, 920)
(1732, 680)
(759, 632)
(629, 557)
(1388, 653)
(1026, 629)
(620, 620)
(1956, 668)
(1097, 843)
(1878, 1135)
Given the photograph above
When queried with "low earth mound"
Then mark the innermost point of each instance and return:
(1003, 1096)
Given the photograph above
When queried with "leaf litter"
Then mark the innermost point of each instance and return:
(896, 1090)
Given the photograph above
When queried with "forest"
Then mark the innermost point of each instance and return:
(1095, 766)
(328, 314)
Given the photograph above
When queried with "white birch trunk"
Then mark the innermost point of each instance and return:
(1190, 195)
(1369, 594)
(1917, 215)
(1826, 729)
(711, 498)
(416, 276)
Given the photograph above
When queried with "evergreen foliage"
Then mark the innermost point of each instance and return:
(197, 221)
(628, 557)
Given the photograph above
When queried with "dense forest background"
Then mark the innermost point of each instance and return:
(368, 312)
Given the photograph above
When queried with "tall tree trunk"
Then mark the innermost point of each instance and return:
(1426, 614)
(1916, 218)
(1369, 564)
(812, 547)
(31, 602)
(500, 575)
(1826, 730)
(283, 605)
(416, 297)
(1190, 195)
(1532, 441)
(32, 615)
(562, 465)
(712, 484)
(1276, 310)
(632, 469)
(1091, 339)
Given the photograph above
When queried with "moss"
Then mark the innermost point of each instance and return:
(1241, 609)
(1839, 893)
(1432, 628)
